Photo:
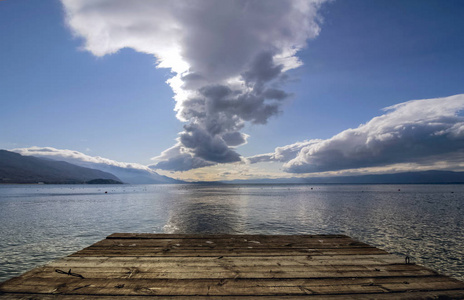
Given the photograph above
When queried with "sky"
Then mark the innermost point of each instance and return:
(214, 90)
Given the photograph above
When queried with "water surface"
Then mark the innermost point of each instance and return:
(39, 223)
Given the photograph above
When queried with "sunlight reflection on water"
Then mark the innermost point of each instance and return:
(43, 223)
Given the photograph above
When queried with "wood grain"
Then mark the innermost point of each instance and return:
(132, 266)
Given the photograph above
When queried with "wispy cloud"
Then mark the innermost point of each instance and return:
(229, 60)
(75, 156)
(417, 133)
(282, 154)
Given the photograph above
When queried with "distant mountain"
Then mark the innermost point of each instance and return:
(425, 177)
(127, 175)
(103, 181)
(15, 168)
(135, 174)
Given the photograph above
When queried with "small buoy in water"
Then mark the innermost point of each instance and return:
(106, 192)
(399, 190)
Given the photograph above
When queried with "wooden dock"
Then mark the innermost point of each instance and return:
(134, 266)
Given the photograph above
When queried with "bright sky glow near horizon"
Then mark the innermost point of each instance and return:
(237, 89)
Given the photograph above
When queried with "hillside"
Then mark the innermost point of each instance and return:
(128, 174)
(15, 168)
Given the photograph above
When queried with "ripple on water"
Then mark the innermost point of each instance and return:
(42, 223)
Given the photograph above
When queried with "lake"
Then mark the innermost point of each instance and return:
(40, 223)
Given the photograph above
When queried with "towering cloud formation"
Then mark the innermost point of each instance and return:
(424, 132)
(228, 60)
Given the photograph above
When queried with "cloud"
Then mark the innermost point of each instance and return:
(234, 139)
(71, 155)
(175, 159)
(228, 60)
(418, 132)
(282, 154)
(127, 172)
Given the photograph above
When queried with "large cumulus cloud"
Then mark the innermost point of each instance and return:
(228, 60)
(420, 131)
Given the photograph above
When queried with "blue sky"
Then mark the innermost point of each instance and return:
(367, 56)
(370, 55)
(54, 94)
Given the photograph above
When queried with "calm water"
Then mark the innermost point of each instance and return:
(39, 223)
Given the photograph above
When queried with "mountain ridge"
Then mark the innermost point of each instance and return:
(421, 177)
(127, 174)
(16, 168)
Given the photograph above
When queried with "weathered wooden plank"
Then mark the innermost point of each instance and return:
(232, 283)
(176, 248)
(189, 266)
(217, 275)
(335, 249)
(225, 248)
(231, 252)
(271, 274)
(231, 242)
(245, 260)
(238, 287)
(397, 296)
(305, 257)
(130, 245)
(221, 236)
(423, 286)
(210, 252)
(135, 248)
(121, 272)
(232, 258)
